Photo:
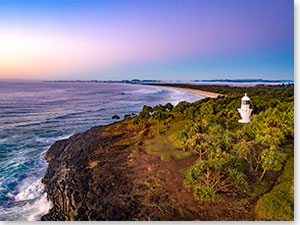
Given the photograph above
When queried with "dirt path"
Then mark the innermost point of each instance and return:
(155, 178)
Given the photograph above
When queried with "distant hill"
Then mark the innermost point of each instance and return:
(244, 80)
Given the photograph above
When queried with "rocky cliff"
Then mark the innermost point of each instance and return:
(91, 176)
(122, 172)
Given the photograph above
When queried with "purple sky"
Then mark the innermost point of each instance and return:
(167, 40)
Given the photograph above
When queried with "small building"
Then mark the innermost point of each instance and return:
(245, 110)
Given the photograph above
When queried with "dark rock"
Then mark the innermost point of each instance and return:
(89, 178)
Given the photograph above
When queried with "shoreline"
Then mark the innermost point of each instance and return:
(204, 94)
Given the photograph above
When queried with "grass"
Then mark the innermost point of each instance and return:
(166, 144)
(165, 149)
(278, 204)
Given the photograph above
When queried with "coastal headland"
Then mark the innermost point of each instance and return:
(188, 162)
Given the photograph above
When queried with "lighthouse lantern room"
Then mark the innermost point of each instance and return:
(245, 110)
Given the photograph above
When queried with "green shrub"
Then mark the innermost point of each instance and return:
(278, 204)
(205, 193)
(288, 173)
(239, 179)
(181, 106)
(194, 172)
(136, 121)
(189, 180)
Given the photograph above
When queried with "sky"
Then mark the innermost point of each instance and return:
(153, 39)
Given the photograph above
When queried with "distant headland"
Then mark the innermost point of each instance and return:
(229, 82)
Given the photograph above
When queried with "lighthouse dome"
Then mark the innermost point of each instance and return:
(245, 98)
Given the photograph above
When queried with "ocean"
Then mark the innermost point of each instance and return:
(33, 115)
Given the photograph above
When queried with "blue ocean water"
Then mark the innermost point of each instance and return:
(33, 115)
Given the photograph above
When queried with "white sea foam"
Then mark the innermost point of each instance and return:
(29, 189)
(177, 96)
(31, 210)
(31, 201)
(39, 208)
(52, 139)
(145, 90)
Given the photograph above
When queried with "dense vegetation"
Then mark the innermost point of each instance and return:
(278, 204)
(233, 157)
(275, 90)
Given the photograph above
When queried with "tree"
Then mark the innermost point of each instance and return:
(144, 115)
(127, 116)
(228, 115)
(168, 107)
(181, 106)
(217, 173)
(271, 160)
(160, 116)
(206, 111)
(147, 109)
(194, 139)
(159, 107)
(259, 140)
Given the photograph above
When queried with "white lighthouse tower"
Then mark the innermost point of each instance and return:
(245, 110)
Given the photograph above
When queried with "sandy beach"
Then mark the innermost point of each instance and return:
(205, 94)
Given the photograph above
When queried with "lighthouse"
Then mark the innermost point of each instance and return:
(245, 110)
